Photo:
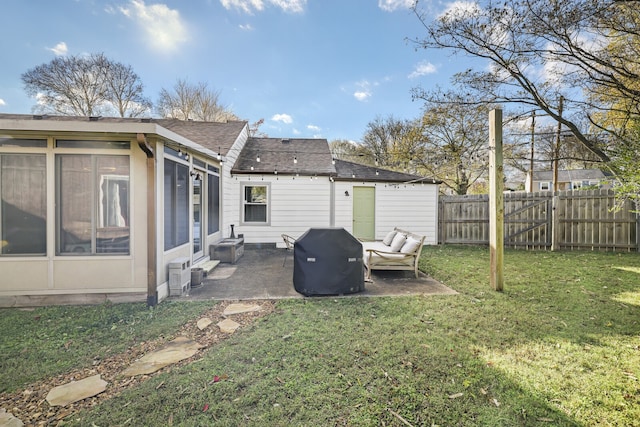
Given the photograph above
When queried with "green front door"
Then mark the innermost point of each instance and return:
(364, 203)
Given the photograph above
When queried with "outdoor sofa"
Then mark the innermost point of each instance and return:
(399, 250)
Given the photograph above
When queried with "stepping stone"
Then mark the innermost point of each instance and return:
(203, 323)
(179, 349)
(76, 390)
(228, 326)
(240, 308)
(8, 420)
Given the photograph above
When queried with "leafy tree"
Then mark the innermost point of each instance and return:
(187, 101)
(390, 143)
(86, 86)
(539, 51)
(350, 151)
(454, 138)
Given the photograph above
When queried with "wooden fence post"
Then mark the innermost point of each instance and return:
(496, 200)
(555, 221)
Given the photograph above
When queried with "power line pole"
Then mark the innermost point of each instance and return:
(556, 149)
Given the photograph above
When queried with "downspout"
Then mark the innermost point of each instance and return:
(152, 289)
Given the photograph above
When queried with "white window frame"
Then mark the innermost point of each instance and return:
(544, 184)
(244, 203)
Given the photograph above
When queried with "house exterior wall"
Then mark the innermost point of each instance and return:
(230, 193)
(413, 207)
(295, 204)
(59, 279)
(166, 257)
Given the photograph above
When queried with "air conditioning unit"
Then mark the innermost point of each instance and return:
(179, 276)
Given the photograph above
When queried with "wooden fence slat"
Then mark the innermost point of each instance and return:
(575, 219)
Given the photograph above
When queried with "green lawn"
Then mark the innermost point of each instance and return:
(47, 341)
(559, 347)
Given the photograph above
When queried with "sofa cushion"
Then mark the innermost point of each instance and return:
(389, 237)
(410, 246)
(398, 241)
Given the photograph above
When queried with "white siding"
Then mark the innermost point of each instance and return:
(413, 207)
(295, 205)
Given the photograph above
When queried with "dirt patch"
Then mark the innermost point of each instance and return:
(30, 405)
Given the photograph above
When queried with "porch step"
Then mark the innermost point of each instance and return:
(208, 266)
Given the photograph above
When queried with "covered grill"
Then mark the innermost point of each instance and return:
(327, 261)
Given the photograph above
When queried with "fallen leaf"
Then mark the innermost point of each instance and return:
(456, 395)
(206, 406)
(495, 401)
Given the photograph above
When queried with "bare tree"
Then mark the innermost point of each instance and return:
(86, 86)
(186, 101)
(540, 50)
(540, 53)
(124, 91)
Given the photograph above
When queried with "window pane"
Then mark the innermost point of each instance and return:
(11, 142)
(213, 204)
(112, 233)
(182, 204)
(169, 203)
(255, 213)
(176, 204)
(255, 203)
(24, 204)
(75, 200)
(70, 143)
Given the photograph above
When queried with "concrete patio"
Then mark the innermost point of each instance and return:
(260, 274)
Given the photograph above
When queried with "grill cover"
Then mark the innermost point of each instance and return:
(327, 261)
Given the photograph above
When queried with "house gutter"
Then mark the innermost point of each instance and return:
(152, 259)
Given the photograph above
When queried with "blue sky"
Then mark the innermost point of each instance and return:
(309, 68)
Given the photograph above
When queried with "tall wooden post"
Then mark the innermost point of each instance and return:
(496, 200)
(533, 141)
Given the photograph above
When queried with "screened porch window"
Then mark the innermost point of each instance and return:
(23, 211)
(176, 204)
(92, 201)
(213, 203)
(255, 203)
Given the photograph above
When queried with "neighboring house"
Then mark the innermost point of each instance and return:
(98, 208)
(570, 179)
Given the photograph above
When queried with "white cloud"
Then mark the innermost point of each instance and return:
(364, 91)
(460, 9)
(2, 102)
(391, 5)
(293, 6)
(60, 49)
(163, 27)
(246, 27)
(422, 69)
(249, 6)
(313, 128)
(284, 118)
(361, 95)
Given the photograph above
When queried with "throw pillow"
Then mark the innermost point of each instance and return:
(389, 238)
(410, 246)
(397, 242)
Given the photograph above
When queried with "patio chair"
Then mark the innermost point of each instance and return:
(288, 244)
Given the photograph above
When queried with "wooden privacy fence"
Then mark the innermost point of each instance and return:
(544, 220)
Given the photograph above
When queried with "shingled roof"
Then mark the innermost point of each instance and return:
(572, 175)
(215, 136)
(288, 156)
(349, 171)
